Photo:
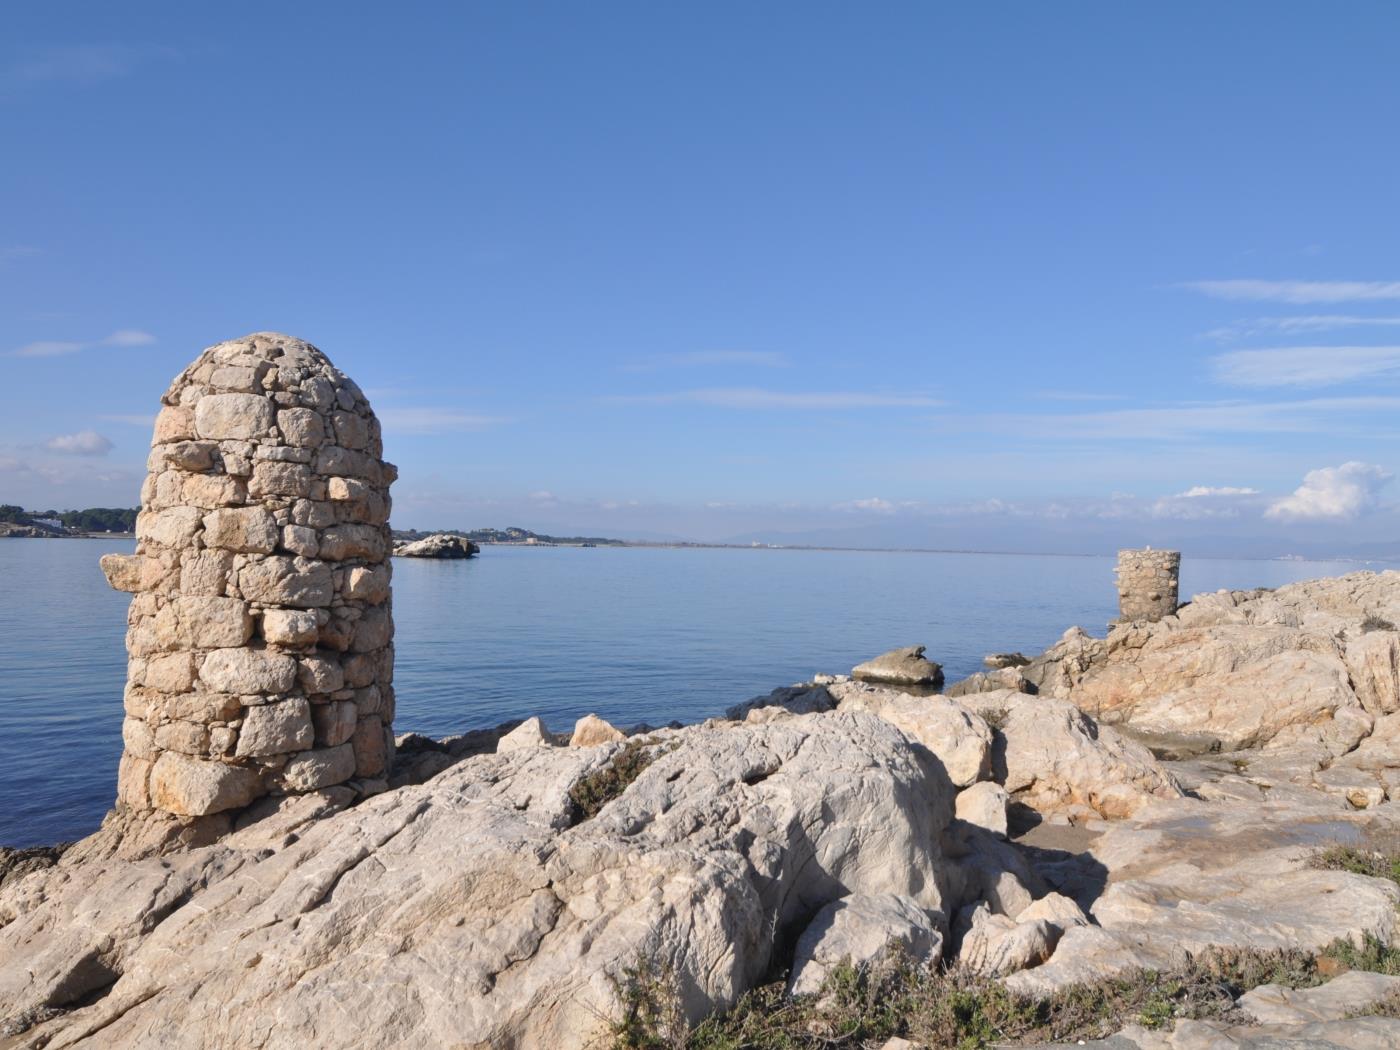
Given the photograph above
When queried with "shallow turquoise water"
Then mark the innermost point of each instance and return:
(632, 634)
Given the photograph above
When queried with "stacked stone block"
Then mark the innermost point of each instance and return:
(1148, 583)
(260, 655)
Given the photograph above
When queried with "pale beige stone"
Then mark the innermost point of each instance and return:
(320, 674)
(299, 539)
(174, 527)
(192, 787)
(271, 478)
(238, 416)
(210, 491)
(173, 423)
(193, 622)
(368, 584)
(342, 542)
(276, 728)
(313, 770)
(171, 673)
(591, 731)
(123, 571)
(298, 583)
(205, 572)
(300, 427)
(290, 627)
(249, 530)
(248, 672)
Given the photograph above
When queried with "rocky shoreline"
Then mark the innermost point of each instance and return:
(500, 889)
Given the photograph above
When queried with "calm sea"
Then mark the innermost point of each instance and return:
(632, 634)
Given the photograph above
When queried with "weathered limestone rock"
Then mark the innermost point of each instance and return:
(1147, 584)
(905, 666)
(590, 731)
(996, 945)
(441, 545)
(475, 906)
(984, 805)
(858, 930)
(1051, 756)
(247, 594)
(960, 739)
(529, 733)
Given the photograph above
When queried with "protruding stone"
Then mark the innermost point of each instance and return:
(247, 672)
(192, 787)
(221, 416)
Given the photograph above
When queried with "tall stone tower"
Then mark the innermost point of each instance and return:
(259, 647)
(1148, 583)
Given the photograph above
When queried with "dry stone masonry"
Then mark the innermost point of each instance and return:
(259, 645)
(1147, 584)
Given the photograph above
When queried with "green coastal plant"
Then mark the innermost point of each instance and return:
(594, 791)
(860, 1007)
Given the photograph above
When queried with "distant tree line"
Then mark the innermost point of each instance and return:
(510, 535)
(93, 519)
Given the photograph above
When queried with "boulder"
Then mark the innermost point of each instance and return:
(440, 545)
(996, 661)
(591, 731)
(905, 666)
(984, 805)
(995, 945)
(990, 681)
(858, 930)
(960, 739)
(1052, 756)
(529, 733)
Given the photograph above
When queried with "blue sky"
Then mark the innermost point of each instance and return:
(1028, 275)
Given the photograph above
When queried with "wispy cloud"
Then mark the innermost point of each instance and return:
(707, 358)
(134, 419)
(1298, 291)
(426, 420)
(755, 398)
(82, 63)
(1332, 494)
(1180, 422)
(12, 253)
(124, 338)
(1074, 395)
(1211, 491)
(1295, 325)
(83, 443)
(1306, 365)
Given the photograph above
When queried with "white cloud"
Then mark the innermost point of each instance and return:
(1299, 291)
(1206, 491)
(48, 348)
(426, 420)
(129, 337)
(82, 63)
(702, 358)
(125, 337)
(874, 505)
(83, 443)
(1293, 325)
(754, 398)
(1306, 365)
(1332, 494)
(1182, 421)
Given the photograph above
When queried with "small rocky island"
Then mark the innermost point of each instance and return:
(439, 545)
(1180, 835)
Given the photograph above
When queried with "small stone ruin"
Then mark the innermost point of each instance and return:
(259, 645)
(1148, 584)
